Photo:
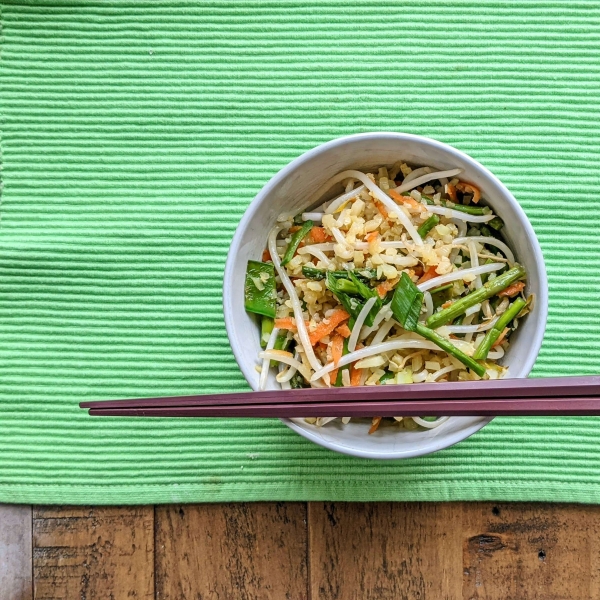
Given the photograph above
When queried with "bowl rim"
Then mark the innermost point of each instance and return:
(276, 180)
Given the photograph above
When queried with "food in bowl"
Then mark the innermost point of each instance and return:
(402, 278)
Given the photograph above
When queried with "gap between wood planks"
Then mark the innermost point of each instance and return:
(324, 551)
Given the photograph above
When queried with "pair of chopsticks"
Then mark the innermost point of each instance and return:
(556, 396)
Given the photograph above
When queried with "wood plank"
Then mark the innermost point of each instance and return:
(531, 551)
(93, 553)
(385, 551)
(15, 552)
(473, 551)
(225, 551)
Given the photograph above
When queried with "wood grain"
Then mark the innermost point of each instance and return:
(15, 552)
(531, 552)
(473, 551)
(232, 551)
(93, 553)
(385, 551)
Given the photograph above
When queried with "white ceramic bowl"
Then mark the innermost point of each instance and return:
(288, 192)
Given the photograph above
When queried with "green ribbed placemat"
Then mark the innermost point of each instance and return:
(134, 135)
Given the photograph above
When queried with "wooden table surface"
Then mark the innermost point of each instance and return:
(298, 551)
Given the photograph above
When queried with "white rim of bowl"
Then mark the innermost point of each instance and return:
(276, 180)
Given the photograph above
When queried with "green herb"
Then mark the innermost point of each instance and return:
(491, 288)
(295, 242)
(494, 333)
(318, 274)
(266, 327)
(406, 307)
(469, 210)
(298, 220)
(297, 382)
(260, 301)
(313, 273)
(428, 225)
(387, 376)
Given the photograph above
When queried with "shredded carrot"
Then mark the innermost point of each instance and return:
(451, 191)
(396, 196)
(295, 228)
(375, 424)
(319, 235)
(429, 274)
(333, 376)
(512, 290)
(322, 345)
(372, 237)
(337, 348)
(286, 323)
(325, 328)
(501, 337)
(385, 287)
(382, 209)
(266, 255)
(447, 304)
(469, 187)
(407, 200)
(354, 376)
(344, 330)
(418, 270)
(413, 204)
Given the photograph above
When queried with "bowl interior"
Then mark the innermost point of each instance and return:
(290, 191)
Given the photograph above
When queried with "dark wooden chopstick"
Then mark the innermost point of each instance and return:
(554, 406)
(502, 388)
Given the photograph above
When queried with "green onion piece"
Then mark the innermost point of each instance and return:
(406, 307)
(387, 376)
(366, 292)
(406, 303)
(259, 288)
(295, 242)
(266, 327)
(347, 287)
(459, 320)
(442, 288)
(494, 333)
(352, 305)
(298, 220)
(450, 348)
(496, 223)
(491, 288)
(428, 225)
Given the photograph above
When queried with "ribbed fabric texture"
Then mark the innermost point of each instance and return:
(134, 135)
